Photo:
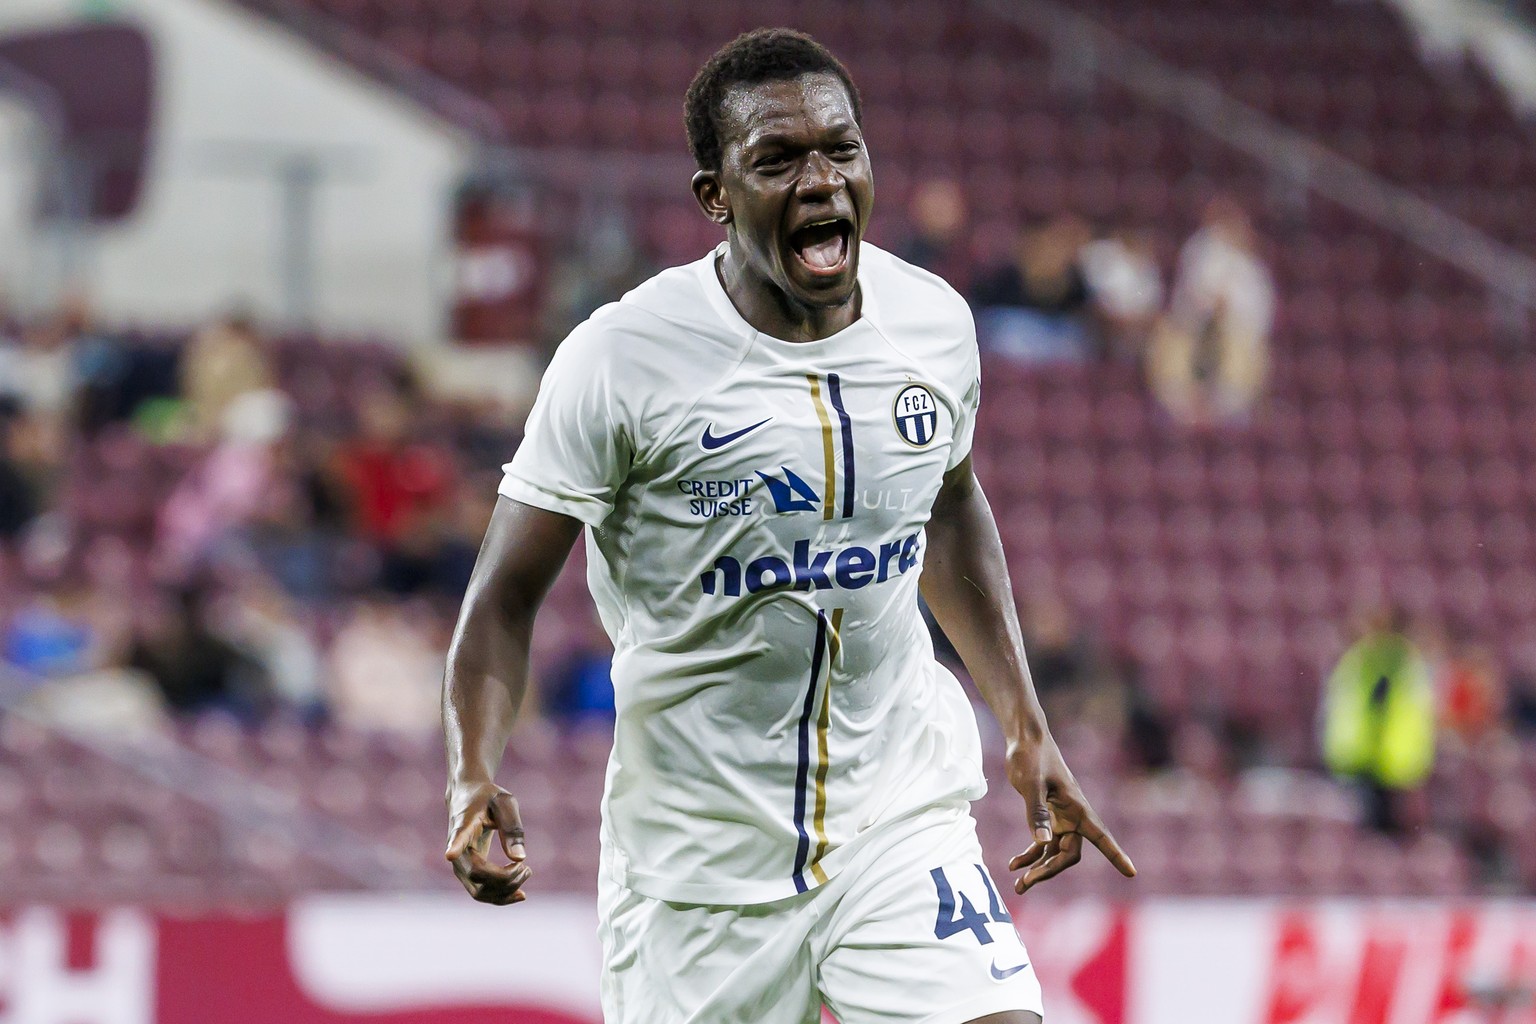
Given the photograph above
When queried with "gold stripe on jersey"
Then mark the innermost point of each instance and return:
(829, 461)
(823, 724)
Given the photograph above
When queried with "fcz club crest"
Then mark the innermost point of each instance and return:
(916, 415)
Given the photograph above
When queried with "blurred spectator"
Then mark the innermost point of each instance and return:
(38, 377)
(297, 533)
(1468, 686)
(10, 328)
(10, 372)
(1210, 354)
(74, 643)
(1034, 307)
(39, 370)
(392, 480)
(266, 625)
(1522, 702)
(1127, 290)
(1081, 681)
(462, 529)
(1199, 750)
(195, 667)
(583, 686)
(222, 362)
(228, 488)
(1062, 659)
(1148, 734)
(112, 702)
(20, 500)
(386, 668)
(52, 635)
(436, 555)
(102, 366)
(399, 490)
(1379, 718)
(937, 241)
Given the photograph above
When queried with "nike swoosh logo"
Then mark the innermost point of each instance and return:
(1010, 972)
(712, 442)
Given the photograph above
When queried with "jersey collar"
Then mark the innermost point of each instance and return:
(720, 302)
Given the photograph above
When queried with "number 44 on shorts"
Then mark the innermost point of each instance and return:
(952, 922)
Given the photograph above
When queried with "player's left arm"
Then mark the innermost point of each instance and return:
(965, 582)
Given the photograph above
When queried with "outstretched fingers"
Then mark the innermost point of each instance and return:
(1094, 831)
(1064, 850)
(1035, 852)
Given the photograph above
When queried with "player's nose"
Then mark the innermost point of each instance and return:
(820, 178)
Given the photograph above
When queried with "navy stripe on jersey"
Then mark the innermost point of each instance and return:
(835, 392)
(803, 769)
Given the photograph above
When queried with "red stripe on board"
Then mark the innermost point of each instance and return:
(80, 941)
(236, 972)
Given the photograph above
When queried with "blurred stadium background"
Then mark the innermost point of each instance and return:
(1255, 284)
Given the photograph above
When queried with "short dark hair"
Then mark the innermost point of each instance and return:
(762, 55)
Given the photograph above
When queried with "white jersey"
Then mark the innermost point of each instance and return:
(756, 511)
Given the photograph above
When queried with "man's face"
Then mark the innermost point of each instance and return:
(796, 181)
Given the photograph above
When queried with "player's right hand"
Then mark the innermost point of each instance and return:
(1060, 815)
(476, 813)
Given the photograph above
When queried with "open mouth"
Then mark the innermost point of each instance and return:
(822, 245)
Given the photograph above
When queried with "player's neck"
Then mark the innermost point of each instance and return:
(767, 309)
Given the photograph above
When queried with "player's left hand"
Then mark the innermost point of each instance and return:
(1059, 814)
(479, 813)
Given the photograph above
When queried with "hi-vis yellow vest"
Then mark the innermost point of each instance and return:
(1379, 715)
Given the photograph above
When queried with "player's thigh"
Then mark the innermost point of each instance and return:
(1009, 1017)
(925, 938)
(667, 963)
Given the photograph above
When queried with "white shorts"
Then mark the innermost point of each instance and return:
(911, 930)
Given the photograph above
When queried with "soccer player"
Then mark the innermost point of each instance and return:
(770, 450)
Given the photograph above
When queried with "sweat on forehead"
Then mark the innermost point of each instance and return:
(815, 98)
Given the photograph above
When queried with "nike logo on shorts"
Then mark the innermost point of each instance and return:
(712, 442)
(1010, 972)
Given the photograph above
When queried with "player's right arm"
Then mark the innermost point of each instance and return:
(487, 676)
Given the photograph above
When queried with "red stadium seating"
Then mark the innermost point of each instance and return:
(1392, 455)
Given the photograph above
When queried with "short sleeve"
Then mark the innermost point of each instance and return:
(576, 448)
(969, 390)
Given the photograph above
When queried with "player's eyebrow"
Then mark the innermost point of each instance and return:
(770, 137)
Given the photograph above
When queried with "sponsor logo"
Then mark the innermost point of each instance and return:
(890, 500)
(712, 442)
(1005, 974)
(714, 499)
(916, 414)
(850, 568)
(717, 499)
(65, 967)
(791, 494)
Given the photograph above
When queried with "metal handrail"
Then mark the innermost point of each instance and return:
(63, 191)
(1290, 154)
(44, 101)
(615, 172)
(458, 106)
(244, 805)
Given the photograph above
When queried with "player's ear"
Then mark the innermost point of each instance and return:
(709, 190)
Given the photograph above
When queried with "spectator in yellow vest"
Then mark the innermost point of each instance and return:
(1379, 717)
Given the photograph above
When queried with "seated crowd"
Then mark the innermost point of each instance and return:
(225, 523)
(1062, 291)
